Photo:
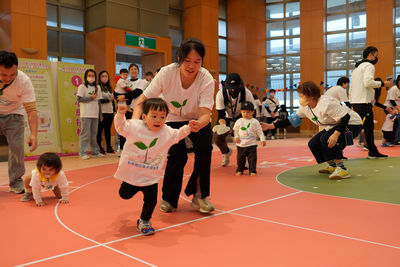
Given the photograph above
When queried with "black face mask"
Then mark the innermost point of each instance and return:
(233, 92)
(374, 61)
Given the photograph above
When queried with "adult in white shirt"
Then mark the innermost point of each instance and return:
(338, 123)
(188, 88)
(361, 94)
(17, 96)
(393, 101)
(339, 91)
(228, 103)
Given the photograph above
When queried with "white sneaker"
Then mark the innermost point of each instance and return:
(84, 157)
(272, 137)
(339, 173)
(100, 155)
(225, 158)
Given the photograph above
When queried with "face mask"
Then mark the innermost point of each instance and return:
(374, 61)
(233, 92)
(91, 79)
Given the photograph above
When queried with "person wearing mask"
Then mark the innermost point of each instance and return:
(107, 109)
(361, 95)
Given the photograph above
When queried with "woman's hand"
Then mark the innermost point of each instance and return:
(195, 125)
(332, 140)
(122, 109)
(266, 126)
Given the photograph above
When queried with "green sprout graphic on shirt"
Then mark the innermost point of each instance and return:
(245, 128)
(178, 105)
(142, 146)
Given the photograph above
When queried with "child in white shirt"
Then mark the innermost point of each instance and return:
(143, 157)
(246, 130)
(46, 176)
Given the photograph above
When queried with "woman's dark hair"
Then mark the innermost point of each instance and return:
(310, 89)
(188, 45)
(369, 50)
(154, 104)
(8, 59)
(49, 159)
(105, 87)
(85, 77)
(342, 80)
(133, 65)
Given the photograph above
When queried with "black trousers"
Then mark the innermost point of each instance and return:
(318, 144)
(273, 131)
(105, 125)
(365, 111)
(122, 140)
(250, 153)
(127, 191)
(177, 158)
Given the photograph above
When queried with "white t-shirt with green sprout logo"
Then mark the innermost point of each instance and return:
(183, 104)
(247, 131)
(145, 152)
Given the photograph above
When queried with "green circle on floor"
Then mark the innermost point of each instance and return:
(371, 179)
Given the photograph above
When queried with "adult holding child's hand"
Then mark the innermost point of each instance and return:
(188, 88)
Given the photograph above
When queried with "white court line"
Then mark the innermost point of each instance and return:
(301, 227)
(321, 194)
(84, 237)
(158, 230)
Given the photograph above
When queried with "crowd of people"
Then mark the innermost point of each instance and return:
(154, 116)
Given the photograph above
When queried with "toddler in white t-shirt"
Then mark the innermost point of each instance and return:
(144, 154)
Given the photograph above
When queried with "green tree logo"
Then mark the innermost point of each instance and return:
(245, 128)
(142, 146)
(178, 105)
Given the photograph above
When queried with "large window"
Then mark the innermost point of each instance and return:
(222, 40)
(66, 31)
(346, 23)
(396, 24)
(175, 25)
(283, 50)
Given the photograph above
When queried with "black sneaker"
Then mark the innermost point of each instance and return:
(377, 155)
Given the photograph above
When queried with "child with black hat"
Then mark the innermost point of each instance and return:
(246, 130)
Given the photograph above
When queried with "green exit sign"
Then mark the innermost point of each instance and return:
(140, 41)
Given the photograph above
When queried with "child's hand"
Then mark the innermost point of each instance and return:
(39, 204)
(122, 109)
(237, 140)
(64, 201)
(263, 143)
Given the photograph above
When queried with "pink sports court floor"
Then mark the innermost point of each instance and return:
(287, 215)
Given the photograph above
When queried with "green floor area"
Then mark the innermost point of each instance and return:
(377, 180)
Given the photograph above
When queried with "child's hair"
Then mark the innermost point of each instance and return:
(272, 91)
(123, 71)
(310, 89)
(342, 80)
(283, 108)
(149, 73)
(49, 159)
(247, 106)
(8, 59)
(154, 104)
(86, 74)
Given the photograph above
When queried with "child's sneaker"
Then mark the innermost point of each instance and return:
(195, 201)
(253, 174)
(239, 173)
(166, 207)
(145, 227)
(327, 169)
(205, 205)
(27, 197)
(225, 158)
(339, 173)
(99, 155)
(387, 144)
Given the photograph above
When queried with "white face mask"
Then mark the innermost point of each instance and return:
(91, 79)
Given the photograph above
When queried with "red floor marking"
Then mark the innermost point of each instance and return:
(97, 212)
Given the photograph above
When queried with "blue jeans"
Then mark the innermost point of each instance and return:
(12, 126)
(88, 136)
